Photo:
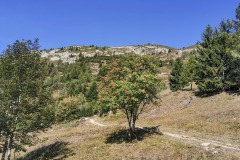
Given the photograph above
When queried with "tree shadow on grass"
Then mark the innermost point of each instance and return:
(122, 135)
(234, 92)
(206, 94)
(56, 151)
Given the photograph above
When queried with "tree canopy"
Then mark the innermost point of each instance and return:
(23, 98)
(129, 85)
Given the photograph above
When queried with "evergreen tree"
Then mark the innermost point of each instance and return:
(176, 78)
(92, 93)
(189, 71)
(74, 71)
(213, 61)
(236, 23)
(207, 37)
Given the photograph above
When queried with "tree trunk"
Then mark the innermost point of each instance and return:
(4, 150)
(191, 85)
(10, 146)
(14, 156)
(133, 127)
(132, 117)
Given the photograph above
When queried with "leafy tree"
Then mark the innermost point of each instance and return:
(176, 78)
(130, 84)
(23, 98)
(70, 108)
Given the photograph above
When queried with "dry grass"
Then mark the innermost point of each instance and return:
(217, 116)
(214, 117)
(80, 140)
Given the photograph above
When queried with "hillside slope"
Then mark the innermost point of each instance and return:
(214, 119)
(70, 54)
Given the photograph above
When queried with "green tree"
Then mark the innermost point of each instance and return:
(70, 108)
(189, 71)
(234, 73)
(176, 78)
(92, 93)
(213, 61)
(236, 23)
(129, 85)
(218, 57)
(74, 71)
(23, 98)
(234, 69)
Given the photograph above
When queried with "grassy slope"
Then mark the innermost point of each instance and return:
(216, 117)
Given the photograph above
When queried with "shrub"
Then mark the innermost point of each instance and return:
(73, 107)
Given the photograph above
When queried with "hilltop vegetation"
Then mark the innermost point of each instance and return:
(70, 54)
(59, 88)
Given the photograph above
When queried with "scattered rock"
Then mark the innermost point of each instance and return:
(206, 145)
(215, 152)
(187, 101)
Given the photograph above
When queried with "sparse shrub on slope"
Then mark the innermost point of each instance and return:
(73, 107)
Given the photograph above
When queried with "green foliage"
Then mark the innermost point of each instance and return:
(236, 23)
(71, 82)
(129, 85)
(176, 78)
(92, 93)
(189, 71)
(70, 108)
(218, 59)
(214, 61)
(171, 62)
(24, 99)
(103, 71)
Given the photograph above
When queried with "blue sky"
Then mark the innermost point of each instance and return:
(58, 23)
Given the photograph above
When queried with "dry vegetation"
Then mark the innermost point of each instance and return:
(217, 115)
(216, 118)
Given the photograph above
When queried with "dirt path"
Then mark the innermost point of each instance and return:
(208, 144)
(93, 121)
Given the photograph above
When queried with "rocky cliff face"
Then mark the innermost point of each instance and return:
(71, 54)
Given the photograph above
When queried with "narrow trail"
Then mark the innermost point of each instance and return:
(205, 143)
(93, 121)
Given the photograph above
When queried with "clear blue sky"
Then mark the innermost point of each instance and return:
(58, 23)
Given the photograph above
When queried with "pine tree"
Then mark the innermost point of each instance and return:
(189, 71)
(176, 78)
(213, 61)
(92, 93)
